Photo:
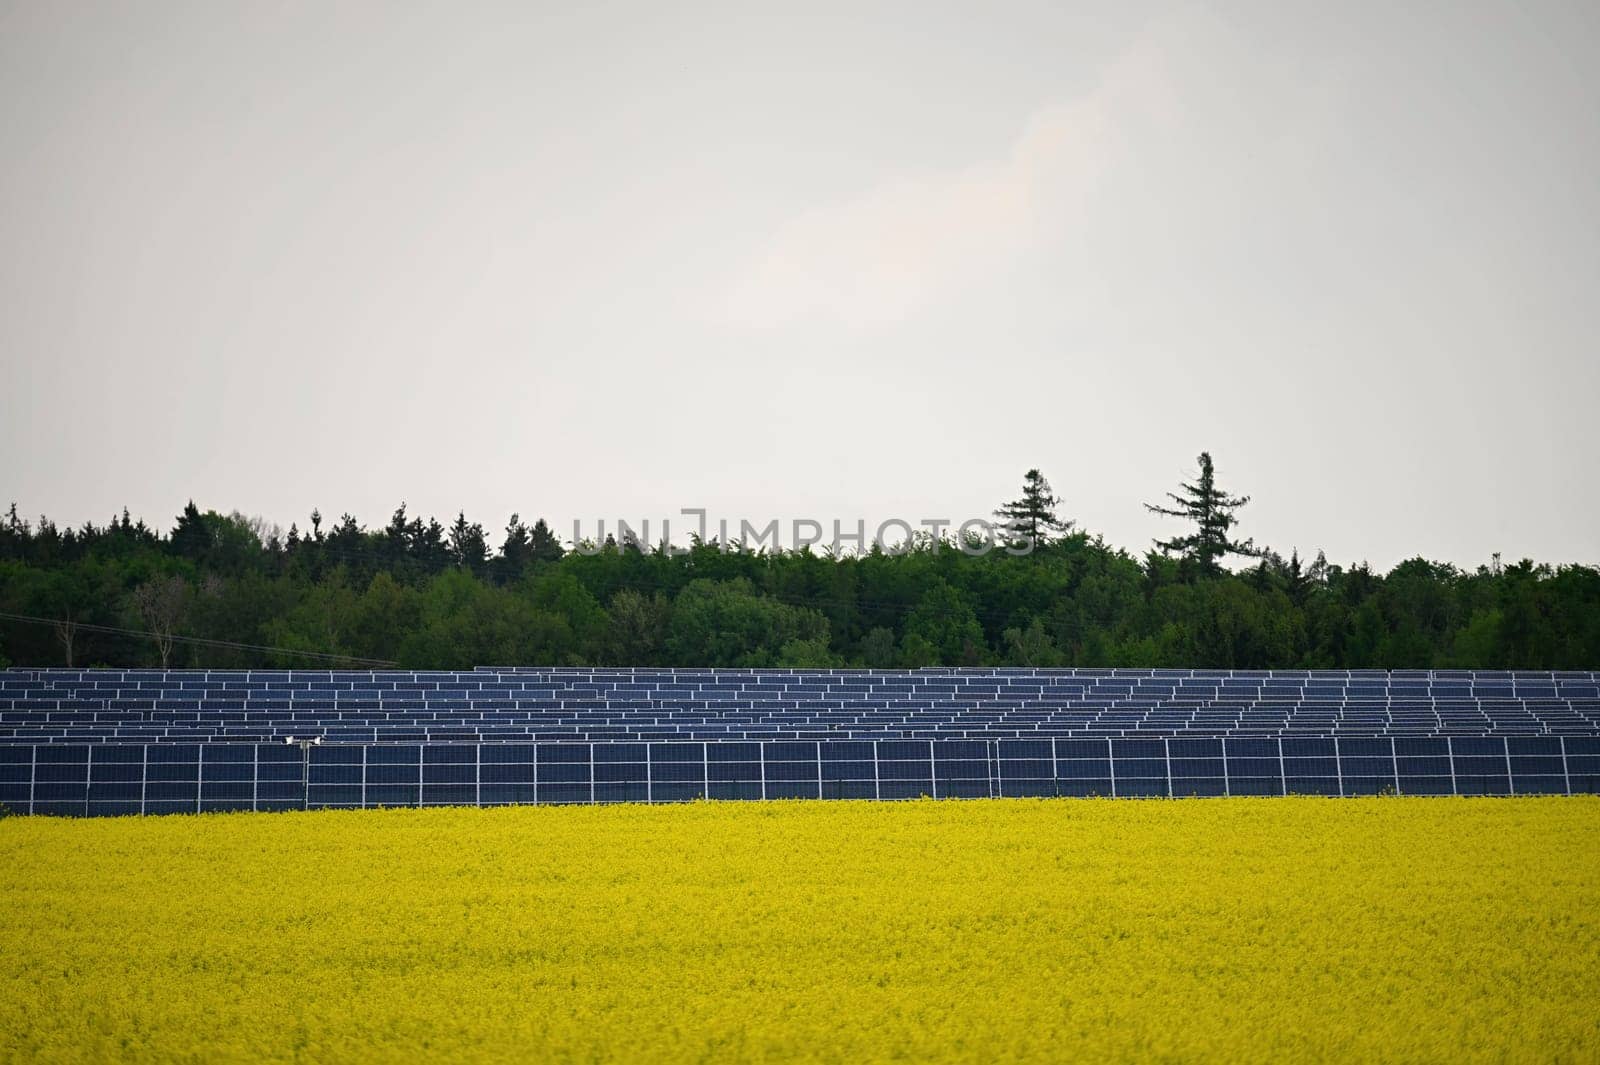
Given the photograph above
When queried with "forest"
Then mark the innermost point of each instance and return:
(229, 591)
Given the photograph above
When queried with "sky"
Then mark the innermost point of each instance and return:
(827, 261)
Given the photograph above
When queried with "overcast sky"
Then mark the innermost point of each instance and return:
(866, 260)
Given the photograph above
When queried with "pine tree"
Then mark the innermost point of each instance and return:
(1298, 580)
(1211, 510)
(15, 536)
(515, 553)
(191, 538)
(428, 546)
(545, 546)
(1032, 518)
(397, 536)
(468, 548)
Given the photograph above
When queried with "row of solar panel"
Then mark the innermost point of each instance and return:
(23, 709)
(720, 699)
(366, 729)
(352, 704)
(626, 710)
(325, 718)
(779, 706)
(799, 696)
(602, 716)
(698, 678)
(725, 734)
(642, 707)
(176, 778)
(1479, 689)
(1093, 672)
(1199, 721)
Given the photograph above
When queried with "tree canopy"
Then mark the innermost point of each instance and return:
(229, 591)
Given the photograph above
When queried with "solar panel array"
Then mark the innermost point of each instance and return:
(147, 741)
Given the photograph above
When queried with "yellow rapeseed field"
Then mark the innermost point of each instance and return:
(1278, 930)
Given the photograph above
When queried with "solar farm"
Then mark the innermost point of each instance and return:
(145, 742)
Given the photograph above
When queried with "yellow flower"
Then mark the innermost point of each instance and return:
(1291, 930)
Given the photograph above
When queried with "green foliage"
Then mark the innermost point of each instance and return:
(727, 623)
(426, 596)
(944, 622)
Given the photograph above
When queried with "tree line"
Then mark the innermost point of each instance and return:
(229, 591)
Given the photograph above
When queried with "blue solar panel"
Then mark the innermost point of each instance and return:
(193, 739)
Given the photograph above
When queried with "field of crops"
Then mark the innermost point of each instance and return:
(1274, 929)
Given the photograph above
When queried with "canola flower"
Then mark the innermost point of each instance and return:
(1285, 930)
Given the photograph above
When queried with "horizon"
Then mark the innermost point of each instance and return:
(494, 534)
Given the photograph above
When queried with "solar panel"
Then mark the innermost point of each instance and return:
(93, 741)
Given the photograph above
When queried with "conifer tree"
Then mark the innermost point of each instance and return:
(397, 537)
(1211, 509)
(191, 538)
(1032, 518)
(428, 546)
(543, 543)
(468, 548)
(515, 553)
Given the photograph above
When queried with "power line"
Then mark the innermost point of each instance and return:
(199, 640)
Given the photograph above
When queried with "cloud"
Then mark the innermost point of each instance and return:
(881, 256)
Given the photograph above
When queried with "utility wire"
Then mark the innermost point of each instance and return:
(199, 640)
